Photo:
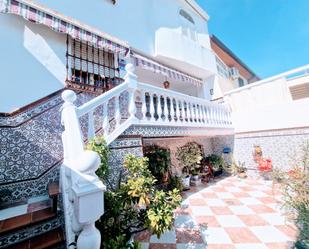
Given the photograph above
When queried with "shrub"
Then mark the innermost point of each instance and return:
(136, 206)
(159, 160)
(189, 156)
(216, 162)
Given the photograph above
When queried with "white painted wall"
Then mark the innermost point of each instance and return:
(32, 62)
(33, 56)
(267, 105)
(135, 21)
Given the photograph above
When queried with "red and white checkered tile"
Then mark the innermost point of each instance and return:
(228, 213)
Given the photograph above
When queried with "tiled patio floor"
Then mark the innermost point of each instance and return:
(229, 213)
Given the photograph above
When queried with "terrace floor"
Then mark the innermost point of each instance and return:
(229, 213)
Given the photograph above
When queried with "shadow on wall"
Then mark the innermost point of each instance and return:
(37, 46)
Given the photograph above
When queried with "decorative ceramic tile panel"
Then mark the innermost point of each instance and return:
(35, 146)
(283, 147)
(27, 115)
(26, 189)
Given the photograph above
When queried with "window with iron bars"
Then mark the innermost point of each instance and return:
(90, 68)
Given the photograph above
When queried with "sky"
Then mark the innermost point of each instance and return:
(270, 36)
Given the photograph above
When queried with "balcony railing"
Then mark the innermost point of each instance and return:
(135, 103)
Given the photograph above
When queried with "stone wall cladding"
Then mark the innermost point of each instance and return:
(283, 147)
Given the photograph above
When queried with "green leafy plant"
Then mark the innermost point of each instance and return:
(189, 157)
(136, 206)
(175, 182)
(159, 160)
(99, 145)
(216, 162)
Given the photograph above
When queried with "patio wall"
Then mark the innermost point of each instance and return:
(283, 147)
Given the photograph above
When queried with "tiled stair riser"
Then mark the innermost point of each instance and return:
(29, 232)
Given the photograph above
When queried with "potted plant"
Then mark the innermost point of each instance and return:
(159, 162)
(195, 176)
(242, 170)
(189, 156)
(216, 162)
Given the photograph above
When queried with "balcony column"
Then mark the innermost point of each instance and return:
(182, 115)
(203, 114)
(151, 107)
(189, 111)
(198, 113)
(185, 111)
(193, 106)
(165, 108)
(159, 108)
(177, 111)
(172, 111)
(144, 106)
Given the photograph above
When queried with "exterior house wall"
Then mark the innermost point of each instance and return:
(32, 62)
(40, 52)
(135, 21)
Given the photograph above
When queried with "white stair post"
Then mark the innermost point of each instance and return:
(144, 107)
(131, 79)
(83, 192)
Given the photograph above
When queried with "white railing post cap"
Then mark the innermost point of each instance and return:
(130, 68)
(69, 96)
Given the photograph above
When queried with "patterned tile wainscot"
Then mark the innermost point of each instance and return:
(283, 147)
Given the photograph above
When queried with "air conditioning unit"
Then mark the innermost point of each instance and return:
(234, 73)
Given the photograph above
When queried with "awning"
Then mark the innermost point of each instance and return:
(156, 67)
(41, 15)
